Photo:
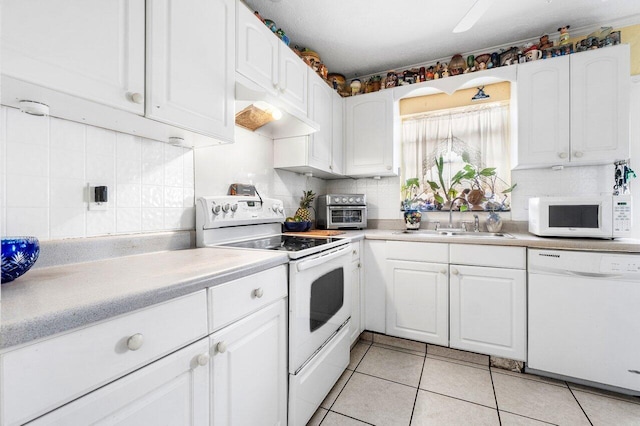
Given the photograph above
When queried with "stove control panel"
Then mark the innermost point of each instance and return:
(234, 210)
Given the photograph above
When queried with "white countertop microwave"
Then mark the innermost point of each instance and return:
(597, 216)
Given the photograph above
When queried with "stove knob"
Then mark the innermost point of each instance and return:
(234, 207)
(280, 210)
(226, 207)
(215, 210)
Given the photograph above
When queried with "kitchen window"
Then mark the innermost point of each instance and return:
(476, 134)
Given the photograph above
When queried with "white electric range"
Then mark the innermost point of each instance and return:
(319, 290)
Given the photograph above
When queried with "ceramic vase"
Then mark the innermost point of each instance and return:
(412, 219)
(494, 222)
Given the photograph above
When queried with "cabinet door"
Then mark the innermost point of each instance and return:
(256, 50)
(374, 285)
(418, 300)
(543, 113)
(600, 86)
(293, 78)
(488, 311)
(171, 391)
(370, 135)
(320, 111)
(355, 325)
(190, 65)
(249, 377)
(92, 49)
(337, 141)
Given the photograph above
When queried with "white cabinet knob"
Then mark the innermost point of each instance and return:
(258, 292)
(137, 98)
(221, 347)
(388, 167)
(203, 359)
(562, 154)
(135, 342)
(454, 271)
(578, 154)
(443, 271)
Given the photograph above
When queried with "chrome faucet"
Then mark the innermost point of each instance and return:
(451, 209)
(476, 223)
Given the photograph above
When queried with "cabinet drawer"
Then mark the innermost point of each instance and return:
(233, 300)
(484, 255)
(45, 375)
(418, 252)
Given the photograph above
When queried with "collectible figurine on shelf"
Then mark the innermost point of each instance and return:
(564, 35)
(391, 80)
(430, 73)
(544, 42)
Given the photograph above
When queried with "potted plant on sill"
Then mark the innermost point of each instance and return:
(449, 193)
(412, 215)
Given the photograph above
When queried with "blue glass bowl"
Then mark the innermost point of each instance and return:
(297, 226)
(18, 256)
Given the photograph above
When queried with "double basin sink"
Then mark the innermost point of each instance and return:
(460, 233)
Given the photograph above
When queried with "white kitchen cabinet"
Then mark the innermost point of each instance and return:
(488, 300)
(321, 152)
(374, 285)
(38, 378)
(337, 142)
(190, 65)
(92, 49)
(249, 369)
(418, 299)
(600, 86)
(574, 110)
(356, 324)
(265, 60)
(543, 113)
(171, 391)
(371, 135)
(488, 311)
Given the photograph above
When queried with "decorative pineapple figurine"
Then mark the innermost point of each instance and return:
(305, 203)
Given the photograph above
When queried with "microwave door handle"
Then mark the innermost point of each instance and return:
(308, 264)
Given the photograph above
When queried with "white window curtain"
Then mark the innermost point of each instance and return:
(480, 131)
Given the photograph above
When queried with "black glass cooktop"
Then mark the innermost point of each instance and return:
(283, 242)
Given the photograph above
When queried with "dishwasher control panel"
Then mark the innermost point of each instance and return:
(627, 264)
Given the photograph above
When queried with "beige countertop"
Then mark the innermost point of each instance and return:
(51, 300)
(521, 239)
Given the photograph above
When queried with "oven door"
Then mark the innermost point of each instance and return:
(319, 301)
(346, 217)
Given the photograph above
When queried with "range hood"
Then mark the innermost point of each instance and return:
(292, 123)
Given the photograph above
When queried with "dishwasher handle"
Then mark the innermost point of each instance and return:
(592, 274)
(555, 271)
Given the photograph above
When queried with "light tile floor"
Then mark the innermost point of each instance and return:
(393, 381)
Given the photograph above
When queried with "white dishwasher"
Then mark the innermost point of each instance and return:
(584, 318)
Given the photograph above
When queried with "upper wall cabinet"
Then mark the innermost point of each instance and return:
(573, 110)
(92, 49)
(190, 65)
(265, 60)
(371, 140)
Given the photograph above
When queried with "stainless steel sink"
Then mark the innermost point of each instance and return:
(455, 233)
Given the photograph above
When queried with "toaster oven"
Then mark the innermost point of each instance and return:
(342, 211)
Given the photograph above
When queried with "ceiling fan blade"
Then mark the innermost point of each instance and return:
(473, 15)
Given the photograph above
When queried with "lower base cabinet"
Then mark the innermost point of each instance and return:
(171, 391)
(249, 369)
(488, 311)
(418, 300)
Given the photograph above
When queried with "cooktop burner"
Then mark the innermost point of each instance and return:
(289, 243)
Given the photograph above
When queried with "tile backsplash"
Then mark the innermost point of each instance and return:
(47, 164)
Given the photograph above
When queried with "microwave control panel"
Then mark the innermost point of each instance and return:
(621, 215)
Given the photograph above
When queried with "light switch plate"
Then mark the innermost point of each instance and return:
(92, 205)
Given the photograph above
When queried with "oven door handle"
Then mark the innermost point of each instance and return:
(323, 258)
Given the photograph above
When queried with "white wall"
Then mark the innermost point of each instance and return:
(250, 160)
(383, 195)
(47, 162)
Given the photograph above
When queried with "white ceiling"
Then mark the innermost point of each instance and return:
(360, 37)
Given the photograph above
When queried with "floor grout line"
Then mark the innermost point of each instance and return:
(528, 417)
(597, 392)
(458, 362)
(459, 399)
(351, 417)
(524, 377)
(493, 386)
(579, 405)
(398, 349)
(386, 380)
(415, 400)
